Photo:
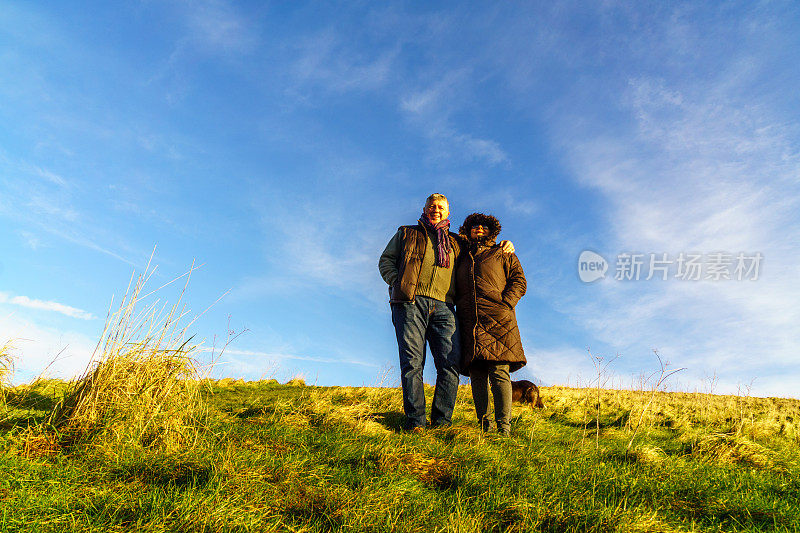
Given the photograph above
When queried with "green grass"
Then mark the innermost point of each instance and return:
(295, 458)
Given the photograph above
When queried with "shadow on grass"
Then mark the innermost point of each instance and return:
(177, 473)
(9, 421)
(31, 400)
(25, 409)
(303, 504)
(250, 412)
(443, 481)
(618, 422)
(392, 420)
(706, 509)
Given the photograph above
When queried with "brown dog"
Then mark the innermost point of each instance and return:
(526, 392)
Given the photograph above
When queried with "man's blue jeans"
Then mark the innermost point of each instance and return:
(433, 321)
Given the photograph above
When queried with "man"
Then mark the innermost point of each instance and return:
(418, 264)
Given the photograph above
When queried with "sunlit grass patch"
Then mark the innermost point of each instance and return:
(723, 448)
(648, 454)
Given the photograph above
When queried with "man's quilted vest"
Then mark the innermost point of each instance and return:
(413, 242)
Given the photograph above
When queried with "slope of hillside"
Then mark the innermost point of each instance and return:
(297, 458)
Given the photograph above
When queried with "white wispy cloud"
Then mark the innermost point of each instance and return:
(37, 349)
(52, 207)
(328, 62)
(467, 147)
(52, 177)
(447, 143)
(318, 252)
(517, 204)
(563, 365)
(30, 239)
(311, 245)
(45, 204)
(331, 62)
(46, 305)
(429, 107)
(703, 171)
(81, 237)
(206, 28)
(212, 27)
(218, 25)
(436, 97)
(277, 357)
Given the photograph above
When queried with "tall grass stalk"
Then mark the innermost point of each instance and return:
(6, 369)
(663, 376)
(140, 388)
(602, 379)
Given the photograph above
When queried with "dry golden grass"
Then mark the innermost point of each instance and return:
(6, 368)
(430, 470)
(35, 443)
(350, 407)
(229, 382)
(744, 416)
(141, 388)
(335, 459)
(723, 448)
(648, 454)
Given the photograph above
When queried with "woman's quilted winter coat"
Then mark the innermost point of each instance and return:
(490, 283)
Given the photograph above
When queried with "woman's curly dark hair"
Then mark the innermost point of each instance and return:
(480, 218)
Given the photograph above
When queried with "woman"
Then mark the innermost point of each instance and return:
(489, 285)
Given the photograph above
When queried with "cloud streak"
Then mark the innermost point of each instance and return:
(218, 26)
(45, 305)
(702, 168)
(280, 356)
(430, 107)
(327, 62)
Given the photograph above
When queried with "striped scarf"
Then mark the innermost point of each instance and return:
(443, 246)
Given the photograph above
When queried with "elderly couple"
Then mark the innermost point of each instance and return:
(456, 292)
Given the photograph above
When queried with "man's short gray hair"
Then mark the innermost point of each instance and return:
(436, 196)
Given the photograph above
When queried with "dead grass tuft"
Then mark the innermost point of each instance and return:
(432, 471)
(731, 449)
(644, 453)
(141, 388)
(33, 443)
(6, 368)
(348, 407)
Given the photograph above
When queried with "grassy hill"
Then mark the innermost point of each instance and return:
(270, 457)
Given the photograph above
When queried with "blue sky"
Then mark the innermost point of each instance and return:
(281, 144)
